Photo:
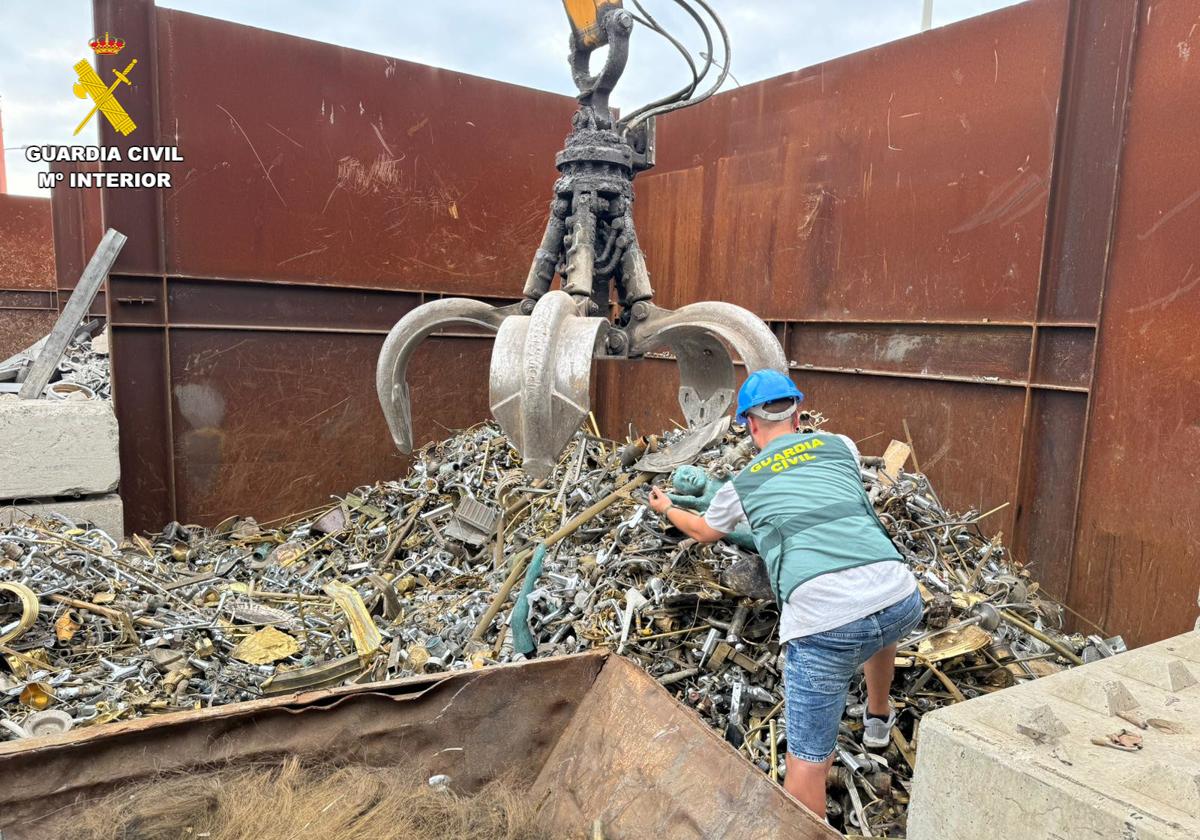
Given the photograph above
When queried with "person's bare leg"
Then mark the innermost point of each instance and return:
(805, 780)
(879, 670)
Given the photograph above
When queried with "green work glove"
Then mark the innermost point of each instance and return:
(696, 491)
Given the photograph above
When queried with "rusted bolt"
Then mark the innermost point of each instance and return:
(527, 306)
(641, 310)
(617, 341)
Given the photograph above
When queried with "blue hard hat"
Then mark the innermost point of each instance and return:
(764, 386)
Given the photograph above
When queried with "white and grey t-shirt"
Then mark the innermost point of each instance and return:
(832, 599)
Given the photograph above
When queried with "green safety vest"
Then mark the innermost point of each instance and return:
(808, 512)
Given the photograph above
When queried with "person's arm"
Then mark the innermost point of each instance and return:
(692, 524)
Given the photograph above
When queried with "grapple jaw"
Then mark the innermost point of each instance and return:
(540, 373)
(541, 377)
(401, 342)
(706, 337)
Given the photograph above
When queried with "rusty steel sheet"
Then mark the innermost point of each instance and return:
(78, 228)
(627, 758)
(528, 722)
(909, 181)
(928, 226)
(403, 722)
(1096, 83)
(139, 371)
(269, 423)
(1065, 356)
(1046, 494)
(26, 243)
(21, 327)
(138, 212)
(1137, 563)
(982, 353)
(294, 226)
(370, 171)
(27, 299)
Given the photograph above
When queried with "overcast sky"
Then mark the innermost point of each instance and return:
(522, 42)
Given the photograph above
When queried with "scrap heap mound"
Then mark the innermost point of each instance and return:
(406, 577)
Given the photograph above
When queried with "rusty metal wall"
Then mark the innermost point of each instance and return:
(324, 193)
(1137, 562)
(28, 304)
(78, 228)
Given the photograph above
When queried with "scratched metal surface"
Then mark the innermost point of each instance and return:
(909, 181)
(21, 327)
(328, 179)
(26, 243)
(966, 435)
(271, 423)
(348, 168)
(926, 224)
(1137, 563)
(27, 307)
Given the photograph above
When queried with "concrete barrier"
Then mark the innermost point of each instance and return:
(57, 448)
(1025, 762)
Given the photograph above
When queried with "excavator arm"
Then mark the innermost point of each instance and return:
(540, 377)
(587, 21)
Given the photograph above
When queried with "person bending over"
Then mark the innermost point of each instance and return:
(845, 596)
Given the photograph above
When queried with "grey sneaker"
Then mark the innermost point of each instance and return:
(877, 734)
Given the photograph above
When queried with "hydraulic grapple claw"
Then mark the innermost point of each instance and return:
(701, 336)
(402, 341)
(541, 366)
(541, 376)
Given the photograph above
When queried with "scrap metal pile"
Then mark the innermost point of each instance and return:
(82, 371)
(408, 577)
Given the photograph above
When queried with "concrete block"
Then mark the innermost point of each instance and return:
(1022, 763)
(1168, 673)
(105, 512)
(57, 448)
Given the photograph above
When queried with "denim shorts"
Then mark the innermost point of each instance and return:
(819, 669)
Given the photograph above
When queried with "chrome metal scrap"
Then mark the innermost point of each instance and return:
(376, 585)
(83, 365)
(83, 371)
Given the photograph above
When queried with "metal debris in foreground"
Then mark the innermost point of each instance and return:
(408, 577)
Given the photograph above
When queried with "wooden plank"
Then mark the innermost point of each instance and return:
(72, 315)
(894, 458)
